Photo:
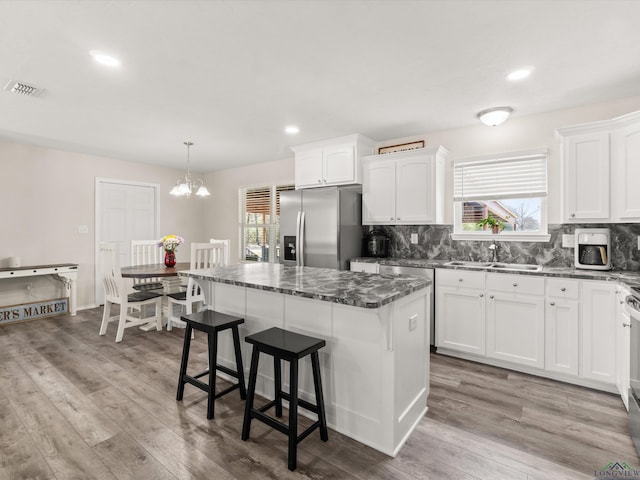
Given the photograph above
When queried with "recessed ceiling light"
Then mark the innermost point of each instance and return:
(520, 73)
(104, 58)
(291, 129)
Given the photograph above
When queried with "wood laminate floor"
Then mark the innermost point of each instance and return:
(74, 405)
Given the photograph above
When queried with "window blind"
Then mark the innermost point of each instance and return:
(516, 175)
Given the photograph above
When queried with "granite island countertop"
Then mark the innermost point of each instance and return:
(337, 286)
(623, 276)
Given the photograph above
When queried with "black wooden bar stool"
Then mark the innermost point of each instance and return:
(285, 345)
(211, 322)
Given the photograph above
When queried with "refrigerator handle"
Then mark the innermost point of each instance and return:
(301, 240)
(298, 252)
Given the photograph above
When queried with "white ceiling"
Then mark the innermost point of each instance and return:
(229, 75)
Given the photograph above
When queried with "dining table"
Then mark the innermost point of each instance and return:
(153, 270)
(167, 275)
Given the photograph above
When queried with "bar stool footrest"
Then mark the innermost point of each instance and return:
(301, 403)
(281, 426)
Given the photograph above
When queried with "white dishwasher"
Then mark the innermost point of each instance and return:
(416, 272)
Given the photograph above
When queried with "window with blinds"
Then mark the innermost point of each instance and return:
(508, 189)
(259, 212)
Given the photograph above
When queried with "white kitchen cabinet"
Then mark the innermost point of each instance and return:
(404, 188)
(460, 306)
(562, 319)
(597, 305)
(364, 267)
(599, 168)
(625, 152)
(623, 345)
(585, 176)
(331, 162)
(515, 319)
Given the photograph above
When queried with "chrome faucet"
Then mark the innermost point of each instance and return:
(494, 251)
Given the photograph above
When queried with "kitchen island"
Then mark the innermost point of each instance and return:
(375, 366)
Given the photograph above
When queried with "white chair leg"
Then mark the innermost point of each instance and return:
(106, 315)
(121, 322)
(158, 316)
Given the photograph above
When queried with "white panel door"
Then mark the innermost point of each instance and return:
(125, 211)
(515, 328)
(562, 335)
(626, 171)
(585, 188)
(379, 192)
(413, 197)
(598, 311)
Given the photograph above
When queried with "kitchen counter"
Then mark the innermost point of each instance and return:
(336, 286)
(629, 278)
(375, 365)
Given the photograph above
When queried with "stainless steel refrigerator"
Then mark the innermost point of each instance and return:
(320, 227)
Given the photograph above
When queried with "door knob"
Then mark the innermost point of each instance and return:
(553, 304)
(563, 289)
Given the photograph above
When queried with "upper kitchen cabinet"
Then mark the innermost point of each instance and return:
(404, 188)
(598, 170)
(331, 162)
(625, 156)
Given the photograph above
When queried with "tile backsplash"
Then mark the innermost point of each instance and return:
(434, 241)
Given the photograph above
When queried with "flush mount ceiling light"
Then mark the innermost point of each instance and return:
(186, 186)
(104, 58)
(495, 116)
(519, 74)
(291, 129)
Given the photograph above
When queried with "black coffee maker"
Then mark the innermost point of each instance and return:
(376, 244)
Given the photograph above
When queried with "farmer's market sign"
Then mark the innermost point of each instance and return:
(30, 311)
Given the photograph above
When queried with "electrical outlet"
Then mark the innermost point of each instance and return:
(413, 322)
(414, 239)
(569, 241)
(83, 229)
(638, 242)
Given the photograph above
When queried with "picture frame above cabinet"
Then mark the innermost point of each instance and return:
(336, 161)
(404, 188)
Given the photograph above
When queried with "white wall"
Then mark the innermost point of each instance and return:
(518, 133)
(223, 216)
(46, 194)
(522, 133)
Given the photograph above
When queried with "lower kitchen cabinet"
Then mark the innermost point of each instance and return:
(598, 340)
(515, 319)
(460, 307)
(623, 346)
(562, 326)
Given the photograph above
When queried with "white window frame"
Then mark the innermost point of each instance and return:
(271, 227)
(541, 235)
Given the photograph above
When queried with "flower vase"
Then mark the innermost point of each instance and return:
(170, 259)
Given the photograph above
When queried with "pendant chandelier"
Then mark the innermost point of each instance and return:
(186, 186)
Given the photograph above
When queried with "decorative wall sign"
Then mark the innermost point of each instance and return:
(402, 147)
(30, 311)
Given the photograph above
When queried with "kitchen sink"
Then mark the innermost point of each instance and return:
(460, 263)
(516, 267)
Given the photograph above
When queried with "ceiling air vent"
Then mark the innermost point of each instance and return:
(23, 88)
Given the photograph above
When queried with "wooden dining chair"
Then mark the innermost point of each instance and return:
(146, 252)
(203, 255)
(225, 245)
(132, 306)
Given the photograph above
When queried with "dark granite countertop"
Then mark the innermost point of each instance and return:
(626, 277)
(337, 286)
